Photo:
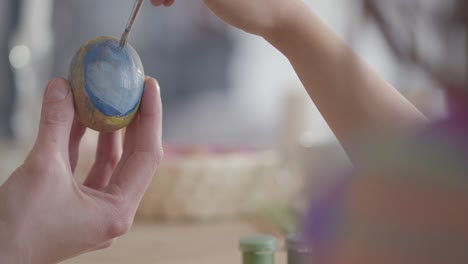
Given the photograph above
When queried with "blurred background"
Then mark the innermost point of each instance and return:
(242, 138)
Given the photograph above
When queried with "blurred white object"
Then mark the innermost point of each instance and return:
(31, 56)
(309, 150)
(20, 56)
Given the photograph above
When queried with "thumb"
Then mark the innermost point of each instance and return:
(56, 117)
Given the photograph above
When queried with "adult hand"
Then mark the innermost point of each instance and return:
(45, 215)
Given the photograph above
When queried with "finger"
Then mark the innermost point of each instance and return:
(157, 2)
(169, 2)
(77, 132)
(56, 119)
(130, 135)
(142, 156)
(108, 155)
(124, 132)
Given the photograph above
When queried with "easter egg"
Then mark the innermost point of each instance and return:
(107, 83)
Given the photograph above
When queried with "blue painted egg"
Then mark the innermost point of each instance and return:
(107, 83)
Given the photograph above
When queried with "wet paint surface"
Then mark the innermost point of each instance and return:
(114, 77)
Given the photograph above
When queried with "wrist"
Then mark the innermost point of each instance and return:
(287, 23)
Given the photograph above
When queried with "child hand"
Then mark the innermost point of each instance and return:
(258, 17)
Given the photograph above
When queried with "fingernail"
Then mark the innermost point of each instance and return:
(153, 83)
(56, 91)
(156, 84)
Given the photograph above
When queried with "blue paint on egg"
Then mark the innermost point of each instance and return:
(114, 77)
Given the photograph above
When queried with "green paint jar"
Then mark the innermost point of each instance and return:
(299, 251)
(259, 249)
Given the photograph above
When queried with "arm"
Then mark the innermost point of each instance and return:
(352, 98)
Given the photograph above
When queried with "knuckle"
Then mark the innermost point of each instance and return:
(108, 161)
(116, 195)
(118, 226)
(35, 163)
(54, 116)
(158, 156)
(119, 220)
(113, 160)
(40, 164)
(154, 157)
(107, 164)
(103, 245)
(107, 244)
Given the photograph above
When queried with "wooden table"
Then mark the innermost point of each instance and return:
(176, 244)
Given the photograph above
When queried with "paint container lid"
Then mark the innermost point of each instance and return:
(258, 243)
(298, 243)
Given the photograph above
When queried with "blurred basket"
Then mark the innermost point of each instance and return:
(206, 185)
